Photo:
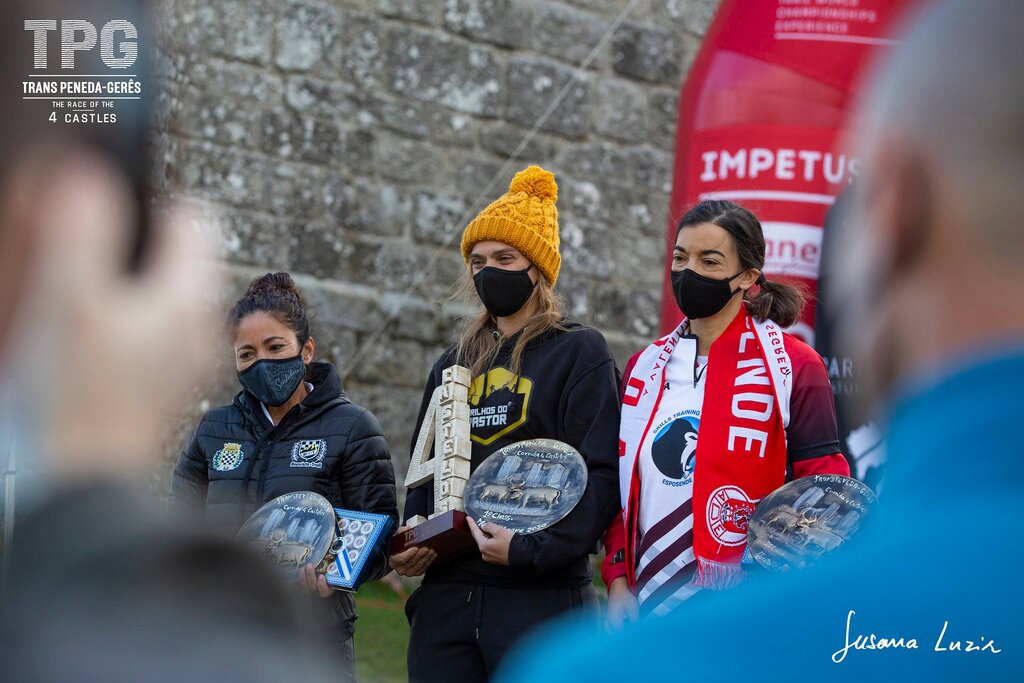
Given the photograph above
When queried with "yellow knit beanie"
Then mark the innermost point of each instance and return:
(525, 218)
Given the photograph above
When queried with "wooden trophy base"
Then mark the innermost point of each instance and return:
(447, 534)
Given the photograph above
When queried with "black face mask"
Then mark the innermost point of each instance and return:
(701, 297)
(503, 292)
(273, 380)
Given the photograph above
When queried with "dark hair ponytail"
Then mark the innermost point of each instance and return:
(276, 294)
(777, 301)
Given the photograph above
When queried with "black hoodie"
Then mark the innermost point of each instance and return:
(237, 460)
(567, 390)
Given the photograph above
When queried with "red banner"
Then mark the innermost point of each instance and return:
(759, 118)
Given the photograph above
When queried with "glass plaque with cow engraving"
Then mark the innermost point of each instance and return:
(527, 486)
(294, 530)
(303, 528)
(805, 519)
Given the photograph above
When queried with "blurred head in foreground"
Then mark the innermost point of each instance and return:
(95, 358)
(933, 270)
(97, 353)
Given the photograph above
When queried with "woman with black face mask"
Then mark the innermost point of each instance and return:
(535, 375)
(715, 415)
(291, 428)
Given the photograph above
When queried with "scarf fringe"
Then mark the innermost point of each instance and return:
(717, 576)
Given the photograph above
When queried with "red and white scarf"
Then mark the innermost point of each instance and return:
(741, 443)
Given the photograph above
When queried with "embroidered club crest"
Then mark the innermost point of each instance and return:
(728, 511)
(309, 453)
(228, 458)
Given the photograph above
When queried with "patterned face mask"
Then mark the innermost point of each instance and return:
(273, 380)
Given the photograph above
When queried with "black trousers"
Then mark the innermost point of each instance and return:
(336, 635)
(460, 632)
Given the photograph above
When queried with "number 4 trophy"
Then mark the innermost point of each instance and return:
(445, 431)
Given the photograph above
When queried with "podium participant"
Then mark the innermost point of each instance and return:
(931, 279)
(715, 416)
(535, 375)
(291, 428)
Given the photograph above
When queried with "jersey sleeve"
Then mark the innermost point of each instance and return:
(812, 430)
(834, 463)
(614, 565)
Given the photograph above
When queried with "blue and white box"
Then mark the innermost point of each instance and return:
(364, 537)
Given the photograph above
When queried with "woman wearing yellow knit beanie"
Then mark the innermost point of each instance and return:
(535, 375)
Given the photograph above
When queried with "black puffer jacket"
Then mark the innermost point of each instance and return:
(237, 460)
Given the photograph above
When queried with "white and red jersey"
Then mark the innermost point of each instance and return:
(667, 460)
(665, 562)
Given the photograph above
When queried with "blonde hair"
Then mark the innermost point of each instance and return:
(478, 346)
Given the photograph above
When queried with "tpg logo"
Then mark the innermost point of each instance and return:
(78, 34)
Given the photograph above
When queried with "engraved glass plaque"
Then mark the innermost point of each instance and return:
(527, 486)
(805, 519)
(293, 530)
(303, 528)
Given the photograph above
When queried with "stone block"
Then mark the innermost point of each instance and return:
(344, 306)
(565, 32)
(255, 239)
(411, 161)
(393, 361)
(420, 11)
(367, 206)
(297, 137)
(417, 119)
(648, 54)
(438, 69)
(334, 345)
(504, 140)
(223, 101)
(440, 217)
(308, 95)
(502, 22)
(296, 191)
(620, 110)
(534, 84)
(223, 175)
(308, 37)
(600, 161)
(586, 249)
(240, 29)
(322, 250)
(652, 168)
(692, 15)
(661, 116)
(364, 41)
(625, 312)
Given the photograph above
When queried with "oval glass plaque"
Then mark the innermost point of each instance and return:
(807, 518)
(294, 530)
(527, 486)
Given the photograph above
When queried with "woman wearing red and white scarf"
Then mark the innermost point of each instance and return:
(715, 416)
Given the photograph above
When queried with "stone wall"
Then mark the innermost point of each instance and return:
(348, 142)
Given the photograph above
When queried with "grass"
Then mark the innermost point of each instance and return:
(382, 635)
(382, 632)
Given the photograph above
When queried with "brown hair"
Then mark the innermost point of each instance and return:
(778, 301)
(276, 294)
(479, 343)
